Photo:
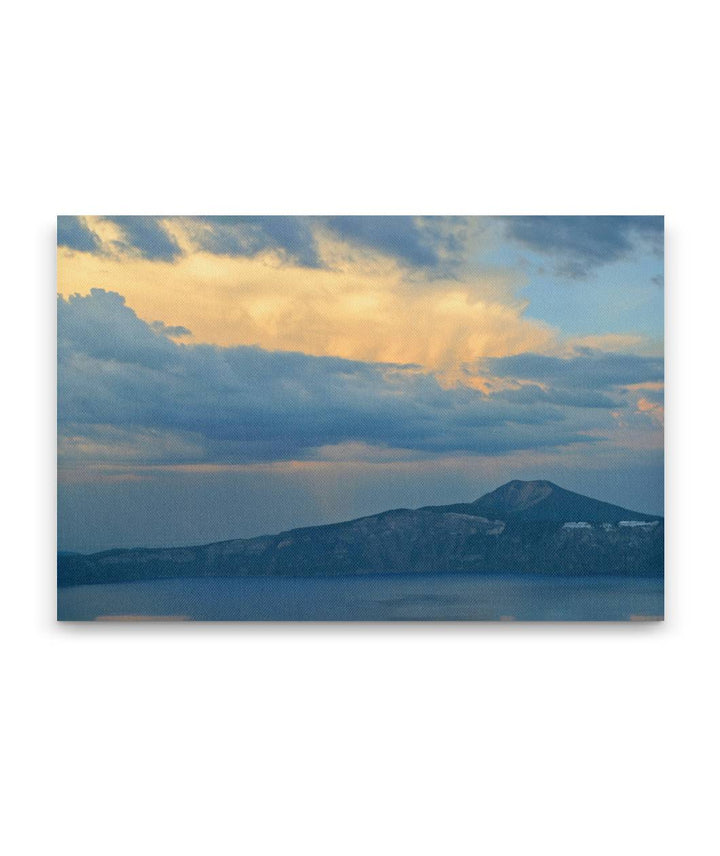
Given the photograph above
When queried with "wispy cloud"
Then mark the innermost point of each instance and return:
(148, 237)
(576, 246)
(291, 239)
(74, 233)
(433, 244)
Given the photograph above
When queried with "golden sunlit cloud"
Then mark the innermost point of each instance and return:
(371, 313)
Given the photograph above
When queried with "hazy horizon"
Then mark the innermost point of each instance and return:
(170, 518)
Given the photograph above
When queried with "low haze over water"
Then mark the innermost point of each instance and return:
(371, 598)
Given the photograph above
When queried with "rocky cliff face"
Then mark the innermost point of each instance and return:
(523, 527)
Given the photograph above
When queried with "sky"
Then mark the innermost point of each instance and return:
(224, 377)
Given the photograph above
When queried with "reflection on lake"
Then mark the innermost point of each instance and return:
(446, 597)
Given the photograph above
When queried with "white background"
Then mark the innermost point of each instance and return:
(359, 739)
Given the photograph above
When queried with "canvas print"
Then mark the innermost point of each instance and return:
(360, 418)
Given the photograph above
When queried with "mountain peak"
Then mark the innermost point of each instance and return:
(516, 495)
(543, 500)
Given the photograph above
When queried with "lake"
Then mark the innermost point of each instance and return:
(404, 597)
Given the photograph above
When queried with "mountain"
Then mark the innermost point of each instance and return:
(543, 501)
(522, 527)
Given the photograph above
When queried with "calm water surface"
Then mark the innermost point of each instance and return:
(410, 597)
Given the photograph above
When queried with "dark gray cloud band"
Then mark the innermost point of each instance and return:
(578, 244)
(587, 370)
(241, 404)
(574, 246)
